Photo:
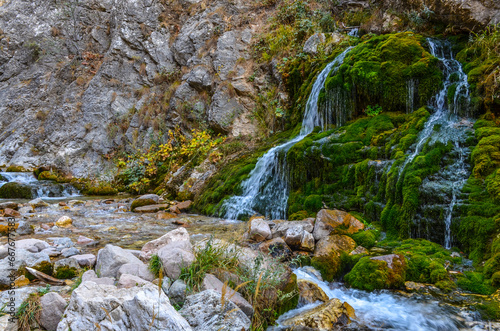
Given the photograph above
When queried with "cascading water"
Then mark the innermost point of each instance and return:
(40, 189)
(444, 125)
(383, 310)
(266, 189)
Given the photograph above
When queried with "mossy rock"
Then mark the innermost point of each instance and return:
(47, 175)
(13, 190)
(366, 238)
(142, 202)
(65, 272)
(45, 267)
(100, 191)
(375, 273)
(286, 288)
(16, 168)
(3, 179)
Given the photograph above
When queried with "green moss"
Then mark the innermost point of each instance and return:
(329, 266)
(45, 267)
(100, 190)
(370, 275)
(475, 283)
(298, 216)
(47, 175)
(16, 168)
(14, 190)
(65, 272)
(366, 238)
(380, 67)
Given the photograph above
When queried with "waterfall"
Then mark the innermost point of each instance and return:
(266, 189)
(42, 188)
(449, 103)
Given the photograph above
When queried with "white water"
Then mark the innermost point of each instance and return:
(446, 112)
(41, 189)
(265, 191)
(383, 309)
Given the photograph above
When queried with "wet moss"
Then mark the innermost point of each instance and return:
(366, 238)
(47, 175)
(101, 190)
(370, 275)
(329, 266)
(14, 190)
(16, 168)
(378, 69)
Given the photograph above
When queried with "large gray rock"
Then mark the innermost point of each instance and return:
(210, 282)
(127, 281)
(52, 310)
(200, 78)
(259, 230)
(32, 245)
(85, 260)
(223, 110)
(204, 312)
(111, 258)
(139, 270)
(281, 227)
(177, 235)
(19, 296)
(174, 259)
(129, 309)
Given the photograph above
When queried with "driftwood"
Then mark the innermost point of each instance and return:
(46, 278)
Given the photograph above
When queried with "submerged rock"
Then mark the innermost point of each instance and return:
(327, 316)
(145, 200)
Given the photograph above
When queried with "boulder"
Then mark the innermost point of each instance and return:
(210, 282)
(331, 315)
(204, 312)
(64, 222)
(281, 227)
(20, 295)
(328, 220)
(151, 208)
(14, 190)
(145, 200)
(127, 281)
(327, 254)
(111, 258)
(67, 252)
(184, 205)
(293, 237)
(52, 309)
(259, 230)
(90, 276)
(85, 260)
(307, 242)
(371, 273)
(152, 247)
(177, 292)
(66, 268)
(200, 78)
(24, 228)
(312, 43)
(276, 248)
(174, 259)
(120, 309)
(310, 292)
(140, 270)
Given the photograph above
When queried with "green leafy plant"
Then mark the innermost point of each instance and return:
(373, 110)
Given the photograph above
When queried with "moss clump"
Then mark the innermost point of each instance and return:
(370, 274)
(367, 238)
(45, 267)
(475, 283)
(377, 71)
(298, 216)
(47, 175)
(2, 178)
(100, 190)
(65, 272)
(13, 190)
(16, 168)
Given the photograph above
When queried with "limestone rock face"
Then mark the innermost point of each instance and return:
(311, 44)
(327, 316)
(204, 312)
(129, 309)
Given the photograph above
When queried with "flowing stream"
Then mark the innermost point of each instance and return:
(42, 188)
(385, 309)
(266, 189)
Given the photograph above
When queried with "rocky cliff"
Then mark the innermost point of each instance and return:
(84, 79)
